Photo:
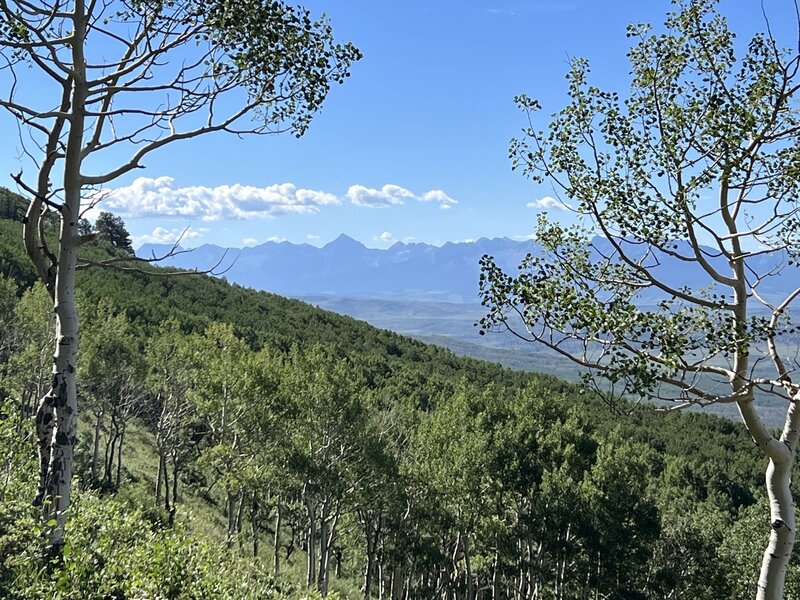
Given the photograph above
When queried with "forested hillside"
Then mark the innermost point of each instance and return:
(237, 444)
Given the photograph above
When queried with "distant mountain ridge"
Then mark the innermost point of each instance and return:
(345, 267)
(415, 271)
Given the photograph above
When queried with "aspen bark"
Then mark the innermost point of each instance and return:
(276, 546)
(58, 414)
(781, 508)
(57, 417)
(322, 574)
(311, 543)
(496, 575)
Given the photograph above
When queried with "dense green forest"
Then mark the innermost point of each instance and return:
(235, 444)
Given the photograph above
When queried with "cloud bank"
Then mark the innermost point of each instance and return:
(390, 195)
(147, 197)
(161, 197)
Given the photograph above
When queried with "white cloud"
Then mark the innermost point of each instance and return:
(312, 238)
(385, 237)
(549, 202)
(147, 197)
(161, 235)
(390, 195)
(276, 239)
(249, 241)
(386, 196)
(439, 196)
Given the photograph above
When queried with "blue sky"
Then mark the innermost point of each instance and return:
(414, 146)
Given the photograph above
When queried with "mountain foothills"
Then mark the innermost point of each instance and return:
(422, 272)
(431, 293)
(237, 444)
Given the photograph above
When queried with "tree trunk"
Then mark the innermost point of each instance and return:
(230, 509)
(254, 523)
(96, 446)
(118, 476)
(276, 546)
(57, 419)
(173, 509)
(496, 576)
(239, 519)
(311, 543)
(166, 488)
(468, 567)
(782, 533)
(110, 453)
(60, 404)
(781, 508)
(322, 571)
(370, 566)
(327, 539)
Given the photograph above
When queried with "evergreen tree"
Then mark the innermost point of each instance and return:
(111, 229)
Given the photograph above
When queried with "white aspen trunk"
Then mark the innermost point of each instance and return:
(781, 509)
(327, 537)
(311, 544)
(276, 546)
(782, 533)
(58, 412)
(496, 576)
(324, 562)
(63, 396)
(323, 548)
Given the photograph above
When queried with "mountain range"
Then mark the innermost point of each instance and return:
(419, 271)
(345, 267)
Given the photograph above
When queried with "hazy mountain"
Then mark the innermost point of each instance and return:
(418, 271)
(345, 267)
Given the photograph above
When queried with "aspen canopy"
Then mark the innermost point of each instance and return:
(686, 187)
(96, 87)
